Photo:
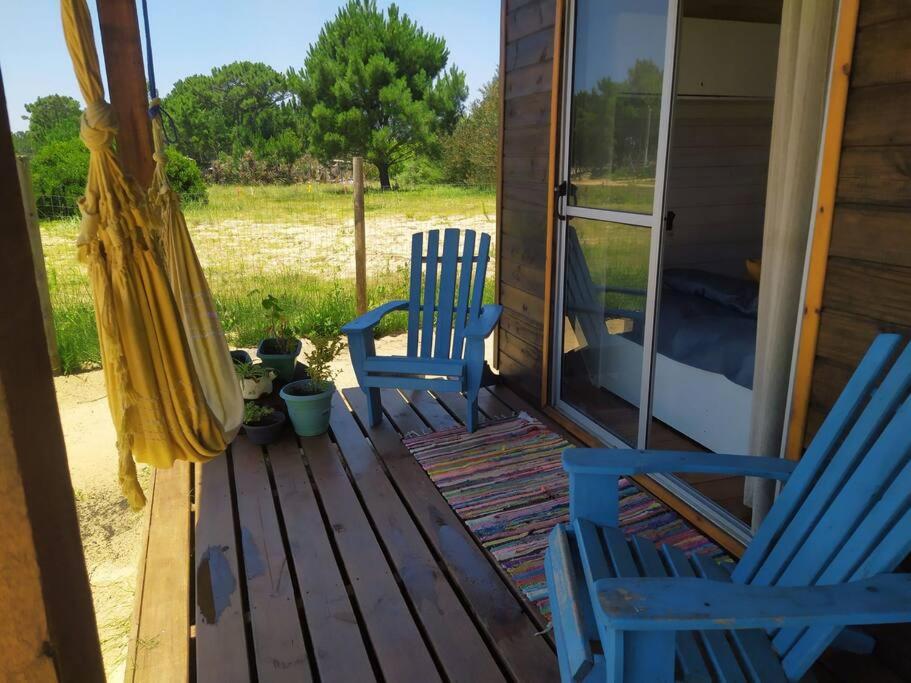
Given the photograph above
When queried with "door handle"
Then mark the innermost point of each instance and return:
(560, 194)
(669, 221)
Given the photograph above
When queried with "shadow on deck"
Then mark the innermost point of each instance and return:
(335, 558)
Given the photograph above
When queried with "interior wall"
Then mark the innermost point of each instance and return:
(527, 75)
(716, 183)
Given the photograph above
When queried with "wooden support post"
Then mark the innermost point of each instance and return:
(34, 236)
(360, 239)
(126, 78)
(48, 629)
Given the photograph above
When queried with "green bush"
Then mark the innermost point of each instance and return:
(418, 170)
(59, 170)
(186, 178)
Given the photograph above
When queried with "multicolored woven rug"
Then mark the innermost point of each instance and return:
(507, 484)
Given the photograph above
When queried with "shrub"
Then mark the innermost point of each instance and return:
(419, 170)
(186, 178)
(59, 171)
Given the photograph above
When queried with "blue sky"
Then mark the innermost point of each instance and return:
(192, 36)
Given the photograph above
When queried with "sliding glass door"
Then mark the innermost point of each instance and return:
(618, 84)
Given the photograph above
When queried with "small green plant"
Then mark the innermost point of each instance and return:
(254, 371)
(279, 329)
(326, 349)
(255, 413)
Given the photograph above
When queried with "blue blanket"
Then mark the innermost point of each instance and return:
(708, 321)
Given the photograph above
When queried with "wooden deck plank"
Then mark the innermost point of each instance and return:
(221, 640)
(527, 655)
(394, 636)
(278, 641)
(491, 408)
(163, 637)
(460, 648)
(338, 646)
(393, 406)
(429, 407)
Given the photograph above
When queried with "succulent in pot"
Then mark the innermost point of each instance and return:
(255, 379)
(281, 347)
(262, 424)
(309, 401)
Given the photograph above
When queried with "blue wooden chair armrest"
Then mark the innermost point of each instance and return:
(623, 462)
(371, 319)
(683, 604)
(483, 326)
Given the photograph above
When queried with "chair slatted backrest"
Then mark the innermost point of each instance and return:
(446, 291)
(845, 513)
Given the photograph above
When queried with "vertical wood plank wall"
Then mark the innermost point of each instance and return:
(868, 280)
(529, 36)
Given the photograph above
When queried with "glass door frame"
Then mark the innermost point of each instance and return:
(713, 512)
(654, 222)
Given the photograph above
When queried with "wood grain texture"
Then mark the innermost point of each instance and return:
(881, 53)
(393, 634)
(339, 649)
(526, 656)
(163, 639)
(877, 11)
(876, 175)
(875, 291)
(278, 640)
(49, 629)
(221, 640)
(126, 81)
(528, 18)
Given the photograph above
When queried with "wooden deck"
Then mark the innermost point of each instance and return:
(332, 559)
(335, 558)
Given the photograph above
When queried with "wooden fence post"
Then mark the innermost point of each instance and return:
(34, 238)
(360, 240)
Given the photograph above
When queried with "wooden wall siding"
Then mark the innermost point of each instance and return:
(868, 280)
(527, 77)
(716, 183)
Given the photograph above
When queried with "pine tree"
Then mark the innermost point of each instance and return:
(375, 84)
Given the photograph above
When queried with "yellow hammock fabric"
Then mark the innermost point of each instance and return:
(159, 408)
(205, 336)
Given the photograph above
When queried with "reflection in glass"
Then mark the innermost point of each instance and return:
(606, 274)
(618, 58)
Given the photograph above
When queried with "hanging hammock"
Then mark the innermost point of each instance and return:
(205, 336)
(158, 405)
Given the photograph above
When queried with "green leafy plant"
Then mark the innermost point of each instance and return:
(319, 361)
(255, 371)
(255, 413)
(375, 84)
(278, 329)
(185, 178)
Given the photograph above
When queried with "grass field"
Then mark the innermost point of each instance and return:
(294, 242)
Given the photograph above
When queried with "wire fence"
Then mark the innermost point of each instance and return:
(295, 242)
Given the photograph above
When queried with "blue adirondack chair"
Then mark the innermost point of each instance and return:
(624, 610)
(452, 359)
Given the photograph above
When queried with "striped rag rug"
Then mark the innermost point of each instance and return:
(507, 484)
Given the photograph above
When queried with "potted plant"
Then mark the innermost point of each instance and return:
(240, 356)
(281, 347)
(309, 401)
(262, 424)
(255, 379)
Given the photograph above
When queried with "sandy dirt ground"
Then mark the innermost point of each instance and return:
(319, 248)
(111, 532)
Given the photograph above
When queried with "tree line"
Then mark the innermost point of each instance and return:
(373, 84)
